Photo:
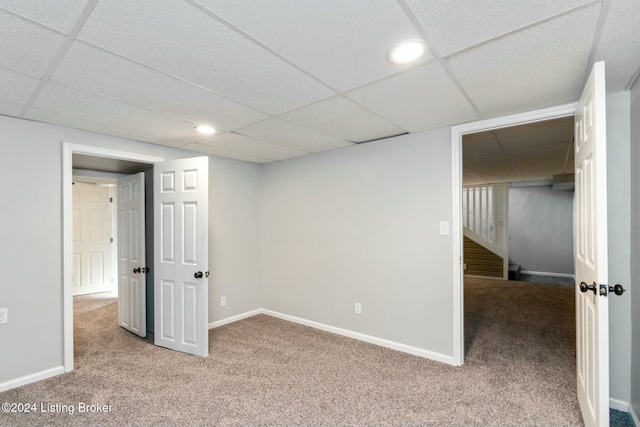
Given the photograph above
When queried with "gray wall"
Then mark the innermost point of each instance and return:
(619, 230)
(541, 229)
(634, 284)
(31, 236)
(361, 224)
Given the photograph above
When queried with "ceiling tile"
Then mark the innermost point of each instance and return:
(16, 88)
(535, 134)
(74, 108)
(243, 144)
(61, 15)
(419, 99)
(96, 71)
(10, 109)
(619, 44)
(479, 144)
(480, 20)
(470, 179)
(344, 43)
(25, 47)
(343, 119)
(284, 133)
(492, 168)
(206, 149)
(529, 69)
(550, 156)
(181, 40)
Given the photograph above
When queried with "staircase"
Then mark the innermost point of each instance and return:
(484, 218)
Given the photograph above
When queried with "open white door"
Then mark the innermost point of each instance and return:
(181, 255)
(592, 309)
(132, 289)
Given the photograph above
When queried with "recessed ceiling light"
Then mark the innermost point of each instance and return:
(407, 51)
(206, 129)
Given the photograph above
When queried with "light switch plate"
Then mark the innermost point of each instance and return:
(4, 313)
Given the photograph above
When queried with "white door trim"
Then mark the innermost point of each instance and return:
(456, 186)
(68, 149)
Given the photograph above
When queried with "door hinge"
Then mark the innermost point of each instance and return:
(111, 240)
(110, 199)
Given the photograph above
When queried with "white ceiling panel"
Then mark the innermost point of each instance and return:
(458, 24)
(206, 149)
(243, 144)
(479, 144)
(538, 67)
(619, 44)
(16, 88)
(284, 133)
(113, 117)
(492, 168)
(535, 134)
(470, 179)
(343, 119)
(184, 41)
(25, 47)
(419, 99)
(550, 156)
(58, 14)
(9, 108)
(344, 43)
(99, 72)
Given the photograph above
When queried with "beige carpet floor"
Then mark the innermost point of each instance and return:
(263, 371)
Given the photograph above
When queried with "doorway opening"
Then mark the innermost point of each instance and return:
(457, 134)
(91, 159)
(518, 211)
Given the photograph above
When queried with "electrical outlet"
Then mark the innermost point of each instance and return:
(4, 313)
(223, 301)
(358, 308)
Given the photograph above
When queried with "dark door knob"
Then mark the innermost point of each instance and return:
(617, 289)
(584, 287)
(136, 270)
(198, 275)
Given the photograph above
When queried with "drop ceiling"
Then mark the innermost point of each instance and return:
(287, 78)
(533, 152)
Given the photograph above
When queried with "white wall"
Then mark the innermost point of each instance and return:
(634, 283)
(31, 236)
(541, 229)
(619, 230)
(361, 224)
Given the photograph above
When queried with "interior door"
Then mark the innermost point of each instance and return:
(181, 255)
(592, 309)
(91, 239)
(132, 289)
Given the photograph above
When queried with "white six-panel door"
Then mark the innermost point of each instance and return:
(132, 288)
(181, 255)
(592, 310)
(92, 260)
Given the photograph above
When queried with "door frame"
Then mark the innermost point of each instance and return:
(68, 149)
(457, 132)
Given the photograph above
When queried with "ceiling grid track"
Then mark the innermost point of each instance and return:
(59, 56)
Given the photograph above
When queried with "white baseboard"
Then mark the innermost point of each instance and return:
(235, 318)
(366, 338)
(32, 378)
(618, 404)
(634, 415)
(339, 331)
(544, 273)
